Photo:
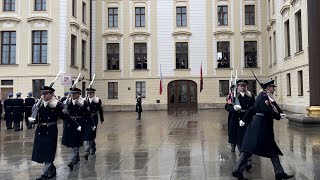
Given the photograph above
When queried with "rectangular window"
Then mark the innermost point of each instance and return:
(39, 47)
(112, 90)
(223, 54)
(84, 12)
(252, 87)
(140, 56)
(8, 47)
(223, 88)
(73, 50)
(222, 15)
(300, 83)
(74, 8)
(273, 6)
(113, 56)
(249, 15)
(141, 88)
(84, 54)
(298, 31)
(288, 85)
(36, 87)
(181, 16)
(275, 46)
(112, 17)
(83, 89)
(270, 51)
(9, 5)
(40, 5)
(287, 38)
(6, 82)
(250, 54)
(140, 17)
(181, 55)
(269, 10)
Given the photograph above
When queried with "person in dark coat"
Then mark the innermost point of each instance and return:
(29, 102)
(94, 107)
(46, 134)
(8, 116)
(259, 137)
(64, 97)
(139, 106)
(18, 111)
(227, 107)
(75, 109)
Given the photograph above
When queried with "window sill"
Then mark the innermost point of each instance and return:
(182, 69)
(47, 64)
(9, 64)
(113, 70)
(287, 58)
(249, 68)
(224, 68)
(301, 95)
(140, 69)
(74, 67)
(289, 96)
(298, 53)
(84, 69)
(113, 99)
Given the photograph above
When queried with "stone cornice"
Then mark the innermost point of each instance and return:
(10, 19)
(112, 33)
(42, 18)
(250, 31)
(223, 32)
(284, 8)
(140, 33)
(181, 33)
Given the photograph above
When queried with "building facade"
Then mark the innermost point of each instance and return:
(134, 42)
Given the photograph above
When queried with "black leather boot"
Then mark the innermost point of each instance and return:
(70, 165)
(238, 175)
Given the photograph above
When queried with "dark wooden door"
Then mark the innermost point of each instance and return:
(182, 94)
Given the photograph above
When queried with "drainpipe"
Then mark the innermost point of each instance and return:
(90, 66)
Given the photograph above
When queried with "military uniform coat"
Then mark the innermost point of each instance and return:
(17, 109)
(28, 102)
(71, 136)
(45, 140)
(95, 108)
(236, 131)
(259, 137)
(8, 109)
(138, 105)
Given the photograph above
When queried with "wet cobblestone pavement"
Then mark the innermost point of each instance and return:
(163, 145)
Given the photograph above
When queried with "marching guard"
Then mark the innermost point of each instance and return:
(75, 110)
(46, 134)
(259, 136)
(8, 116)
(139, 106)
(228, 108)
(29, 102)
(17, 111)
(94, 107)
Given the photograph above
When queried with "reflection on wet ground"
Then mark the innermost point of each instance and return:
(175, 145)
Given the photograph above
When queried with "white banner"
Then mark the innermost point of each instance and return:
(66, 79)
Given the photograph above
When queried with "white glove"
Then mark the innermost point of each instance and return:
(31, 120)
(241, 123)
(94, 128)
(79, 128)
(237, 107)
(283, 116)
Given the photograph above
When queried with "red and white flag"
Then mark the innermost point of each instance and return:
(160, 80)
(201, 78)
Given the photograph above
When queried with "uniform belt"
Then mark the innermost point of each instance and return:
(259, 114)
(48, 124)
(76, 117)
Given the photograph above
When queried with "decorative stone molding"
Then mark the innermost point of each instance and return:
(74, 25)
(179, 33)
(285, 8)
(9, 21)
(223, 32)
(39, 21)
(140, 33)
(85, 33)
(250, 32)
(112, 36)
(272, 21)
(268, 28)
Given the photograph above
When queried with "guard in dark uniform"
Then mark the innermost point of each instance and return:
(94, 107)
(227, 107)
(259, 137)
(64, 97)
(46, 135)
(18, 111)
(139, 106)
(29, 102)
(8, 111)
(75, 108)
